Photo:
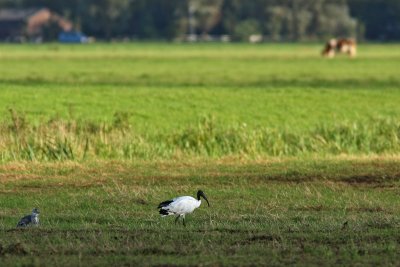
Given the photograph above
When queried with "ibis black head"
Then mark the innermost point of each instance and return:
(36, 210)
(201, 194)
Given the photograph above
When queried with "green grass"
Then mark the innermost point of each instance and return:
(299, 155)
(261, 101)
(165, 86)
(270, 213)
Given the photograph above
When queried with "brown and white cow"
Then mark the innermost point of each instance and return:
(346, 46)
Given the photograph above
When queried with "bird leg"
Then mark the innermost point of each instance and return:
(184, 224)
(177, 218)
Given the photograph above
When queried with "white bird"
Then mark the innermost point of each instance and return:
(181, 206)
(30, 219)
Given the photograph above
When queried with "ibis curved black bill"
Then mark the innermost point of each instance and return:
(201, 194)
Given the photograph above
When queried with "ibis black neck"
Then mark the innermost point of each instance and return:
(201, 194)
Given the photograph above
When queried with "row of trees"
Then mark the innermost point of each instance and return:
(288, 20)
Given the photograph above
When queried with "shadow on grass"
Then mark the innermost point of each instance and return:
(267, 83)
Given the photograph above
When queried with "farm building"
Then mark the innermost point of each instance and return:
(29, 24)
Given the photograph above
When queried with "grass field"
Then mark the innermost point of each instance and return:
(270, 213)
(298, 155)
(149, 101)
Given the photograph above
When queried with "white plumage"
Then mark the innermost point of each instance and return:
(180, 206)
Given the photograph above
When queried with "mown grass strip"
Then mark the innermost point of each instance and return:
(278, 212)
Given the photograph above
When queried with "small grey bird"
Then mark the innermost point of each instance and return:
(30, 219)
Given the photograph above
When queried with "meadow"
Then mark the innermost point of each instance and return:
(299, 155)
(151, 101)
(343, 212)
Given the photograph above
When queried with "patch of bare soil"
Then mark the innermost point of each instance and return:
(13, 249)
(260, 239)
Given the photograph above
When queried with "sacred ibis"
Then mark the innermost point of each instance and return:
(30, 219)
(180, 206)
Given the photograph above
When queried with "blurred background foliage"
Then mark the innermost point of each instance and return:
(276, 20)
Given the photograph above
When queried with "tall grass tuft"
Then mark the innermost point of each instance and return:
(58, 139)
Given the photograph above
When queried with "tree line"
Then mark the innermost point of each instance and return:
(276, 20)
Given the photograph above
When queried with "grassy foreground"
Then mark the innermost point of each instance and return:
(309, 212)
